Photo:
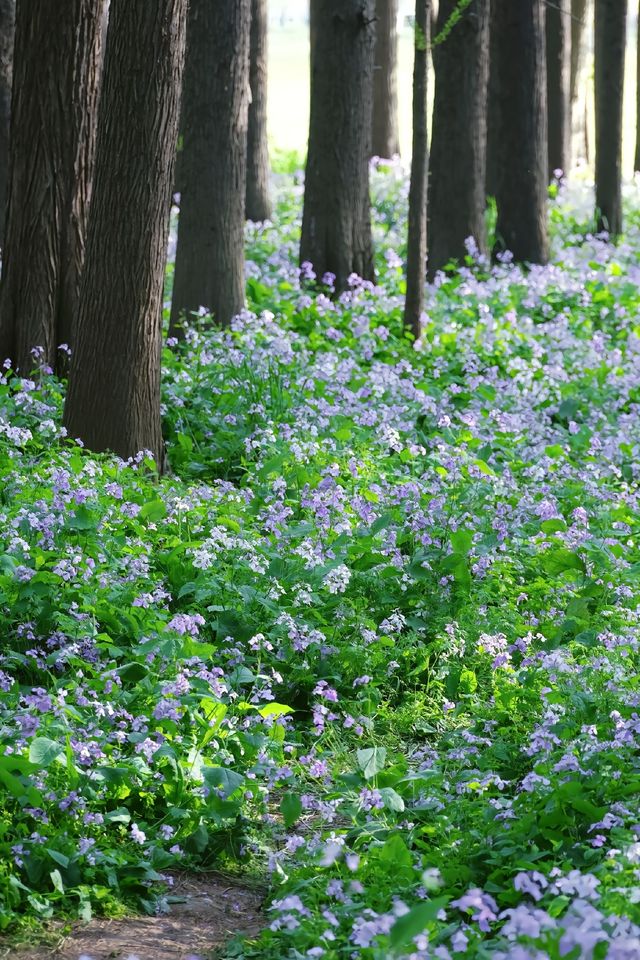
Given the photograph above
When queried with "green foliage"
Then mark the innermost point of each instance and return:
(374, 636)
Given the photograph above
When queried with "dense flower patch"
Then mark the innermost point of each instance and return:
(376, 634)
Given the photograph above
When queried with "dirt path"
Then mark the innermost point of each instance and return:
(209, 912)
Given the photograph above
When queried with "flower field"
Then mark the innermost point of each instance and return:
(374, 636)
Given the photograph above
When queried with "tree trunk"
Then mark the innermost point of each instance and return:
(494, 148)
(385, 139)
(336, 222)
(636, 161)
(610, 40)
(521, 190)
(457, 165)
(209, 268)
(578, 22)
(51, 157)
(7, 29)
(417, 228)
(258, 205)
(113, 401)
(558, 35)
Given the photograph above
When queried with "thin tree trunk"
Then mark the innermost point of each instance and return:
(457, 164)
(209, 268)
(258, 205)
(521, 191)
(385, 137)
(578, 23)
(610, 41)
(113, 401)
(336, 223)
(7, 30)
(558, 34)
(636, 161)
(417, 228)
(52, 144)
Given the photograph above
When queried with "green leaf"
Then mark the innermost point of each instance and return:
(58, 857)
(44, 751)
(392, 800)
(221, 778)
(153, 511)
(82, 520)
(275, 710)
(120, 815)
(290, 808)
(11, 782)
(198, 841)
(560, 560)
(56, 880)
(415, 922)
(371, 761)
(552, 526)
(395, 851)
(133, 672)
(555, 451)
(461, 541)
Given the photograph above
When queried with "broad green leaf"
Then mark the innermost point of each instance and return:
(275, 710)
(392, 800)
(58, 857)
(290, 808)
(153, 511)
(44, 751)
(223, 779)
(461, 541)
(371, 760)
(121, 815)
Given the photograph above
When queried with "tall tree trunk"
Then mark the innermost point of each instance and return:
(494, 147)
(578, 23)
(610, 41)
(52, 145)
(636, 161)
(113, 401)
(457, 165)
(521, 191)
(417, 228)
(258, 205)
(209, 268)
(385, 137)
(558, 35)
(336, 222)
(7, 30)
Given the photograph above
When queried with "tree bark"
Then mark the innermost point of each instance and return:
(113, 401)
(52, 146)
(610, 41)
(494, 148)
(336, 222)
(7, 30)
(417, 227)
(558, 35)
(209, 269)
(457, 165)
(385, 137)
(258, 203)
(578, 23)
(521, 189)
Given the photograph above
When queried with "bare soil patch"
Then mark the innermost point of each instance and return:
(208, 911)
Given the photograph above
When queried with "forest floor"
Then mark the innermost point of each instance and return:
(202, 915)
(373, 641)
